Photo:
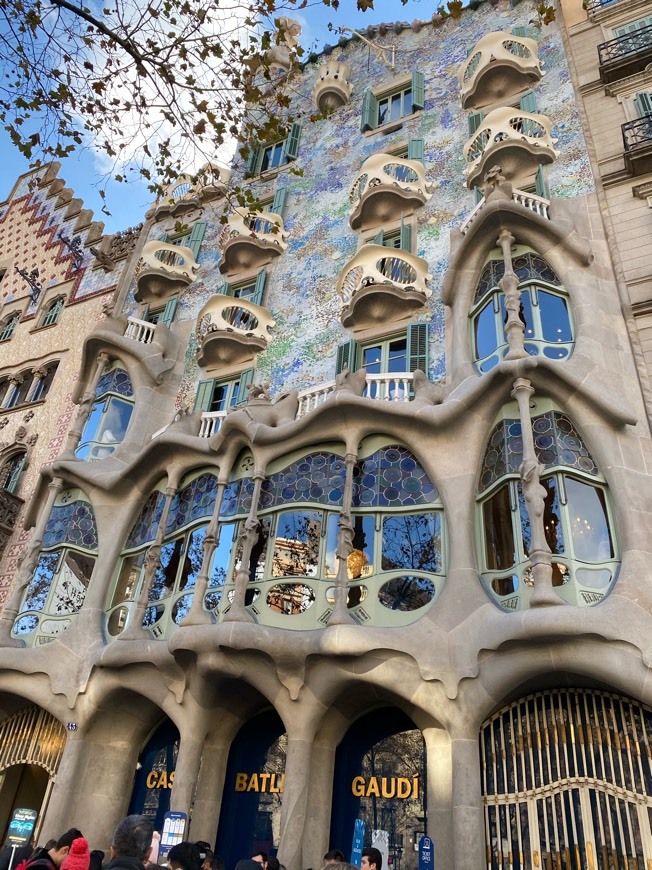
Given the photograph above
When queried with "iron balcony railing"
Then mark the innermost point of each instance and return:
(625, 46)
(597, 5)
(637, 133)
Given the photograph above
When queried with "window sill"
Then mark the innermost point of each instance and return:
(48, 326)
(392, 126)
(22, 406)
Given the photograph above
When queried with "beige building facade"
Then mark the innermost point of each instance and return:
(353, 520)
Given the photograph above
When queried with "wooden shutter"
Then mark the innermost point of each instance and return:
(292, 141)
(377, 240)
(633, 26)
(416, 150)
(261, 278)
(170, 310)
(475, 119)
(348, 356)
(278, 206)
(369, 118)
(417, 347)
(418, 90)
(541, 184)
(253, 161)
(204, 395)
(197, 237)
(226, 289)
(406, 236)
(246, 378)
(644, 104)
(519, 31)
(528, 102)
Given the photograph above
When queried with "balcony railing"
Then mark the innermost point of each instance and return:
(385, 187)
(389, 387)
(499, 64)
(163, 269)
(626, 54)
(187, 191)
(535, 203)
(251, 239)
(210, 423)
(593, 6)
(519, 141)
(140, 330)
(231, 330)
(637, 138)
(380, 284)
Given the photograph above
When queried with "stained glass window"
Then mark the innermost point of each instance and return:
(195, 501)
(72, 523)
(145, 527)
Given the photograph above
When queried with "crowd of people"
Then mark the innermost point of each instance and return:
(135, 847)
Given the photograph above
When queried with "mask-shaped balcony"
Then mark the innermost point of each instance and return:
(380, 285)
(189, 192)
(386, 187)
(517, 141)
(250, 240)
(163, 270)
(333, 86)
(500, 65)
(625, 55)
(231, 331)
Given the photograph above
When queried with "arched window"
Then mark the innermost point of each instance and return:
(576, 515)
(58, 586)
(52, 312)
(109, 417)
(544, 311)
(43, 383)
(18, 390)
(8, 326)
(11, 472)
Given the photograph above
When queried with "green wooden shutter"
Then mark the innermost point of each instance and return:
(644, 103)
(292, 141)
(377, 240)
(478, 194)
(348, 356)
(528, 102)
(633, 26)
(145, 314)
(475, 119)
(416, 150)
(406, 237)
(261, 278)
(418, 90)
(204, 395)
(253, 160)
(519, 31)
(226, 289)
(246, 378)
(278, 206)
(369, 118)
(170, 310)
(417, 346)
(197, 237)
(541, 184)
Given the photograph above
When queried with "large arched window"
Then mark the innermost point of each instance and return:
(544, 311)
(110, 415)
(18, 390)
(12, 470)
(58, 586)
(576, 515)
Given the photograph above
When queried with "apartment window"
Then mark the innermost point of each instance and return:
(544, 312)
(399, 354)
(633, 26)
(161, 313)
(266, 157)
(18, 391)
(217, 395)
(110, 415)
(11, 472)
(52, 312)
(44, 383)
(390, 106)
(8, 326)
(643, 103)
(399, 238)
(191, 238)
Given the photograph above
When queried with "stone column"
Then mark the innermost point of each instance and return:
(135, 630)
(318, 822)
(341, 614)
(514, 327)
(38, 376)
(468, 822)
(296, 796)
(14, 381)
(197, 615)
(186, 772)
(534, 495)
(85, 408)
(438, 795)
(210, 787)
(248, 537)
(28, 563)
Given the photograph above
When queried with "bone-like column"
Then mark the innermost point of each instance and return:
(514, 327)
(341, 614)
(248, 537)
(197, 615)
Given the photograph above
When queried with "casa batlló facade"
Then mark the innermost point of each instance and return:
(353, 517)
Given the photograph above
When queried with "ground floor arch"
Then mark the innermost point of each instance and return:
(155, 774)
(567, 782)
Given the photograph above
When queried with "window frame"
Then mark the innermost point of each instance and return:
(288, 152)
(370, 118)
(107, 398)
(8, 326)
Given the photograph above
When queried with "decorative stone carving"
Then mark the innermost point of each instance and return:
(163, 270)
(231, 330)
(333, 86)
(387, 187)
(351, 382)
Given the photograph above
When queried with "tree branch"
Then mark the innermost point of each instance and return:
(126, 44)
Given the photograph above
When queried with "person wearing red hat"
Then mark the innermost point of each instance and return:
(79, 857)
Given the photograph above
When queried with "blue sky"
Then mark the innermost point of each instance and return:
(128, 202)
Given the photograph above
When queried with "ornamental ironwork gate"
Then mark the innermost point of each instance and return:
(567, 783)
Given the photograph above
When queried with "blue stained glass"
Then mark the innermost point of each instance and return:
(115, 381)
(195, 501)
(72, 523)
(144, 529)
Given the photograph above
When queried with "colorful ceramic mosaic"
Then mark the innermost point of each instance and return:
(72, 523)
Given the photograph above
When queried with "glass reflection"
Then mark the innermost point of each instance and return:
(588, 521)
(412, 542)
(296, 547)
(290, 598)
(406, 593)
(72, 582)
(498, 532)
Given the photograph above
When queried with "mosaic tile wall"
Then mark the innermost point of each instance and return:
(301, 289)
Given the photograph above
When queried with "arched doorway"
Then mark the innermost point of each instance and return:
(567, 782)
(31, 745)
(155, 774)
(253, 790)
(380, 777)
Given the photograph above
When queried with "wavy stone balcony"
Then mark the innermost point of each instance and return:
(386, 188)
(513, 139)
(499, 65)
(380, 285)
(231, 331)
(163, 270)
(333, 86)
(250, 240)
(189, 192)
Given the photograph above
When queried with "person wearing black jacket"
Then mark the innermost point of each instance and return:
(52, 859)
(132, 843)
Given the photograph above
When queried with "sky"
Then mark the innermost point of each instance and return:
(128, 202)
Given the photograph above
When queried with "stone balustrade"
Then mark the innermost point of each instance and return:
(500, 64)
(140, 330)
(210, 423)
(163, 270)
(387, 187)
(538, 204)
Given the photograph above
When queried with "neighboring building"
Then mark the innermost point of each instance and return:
(354, 518)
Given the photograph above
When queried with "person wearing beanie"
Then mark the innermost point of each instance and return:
(79, 857)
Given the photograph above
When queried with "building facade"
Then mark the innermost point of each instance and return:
(353, 519)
